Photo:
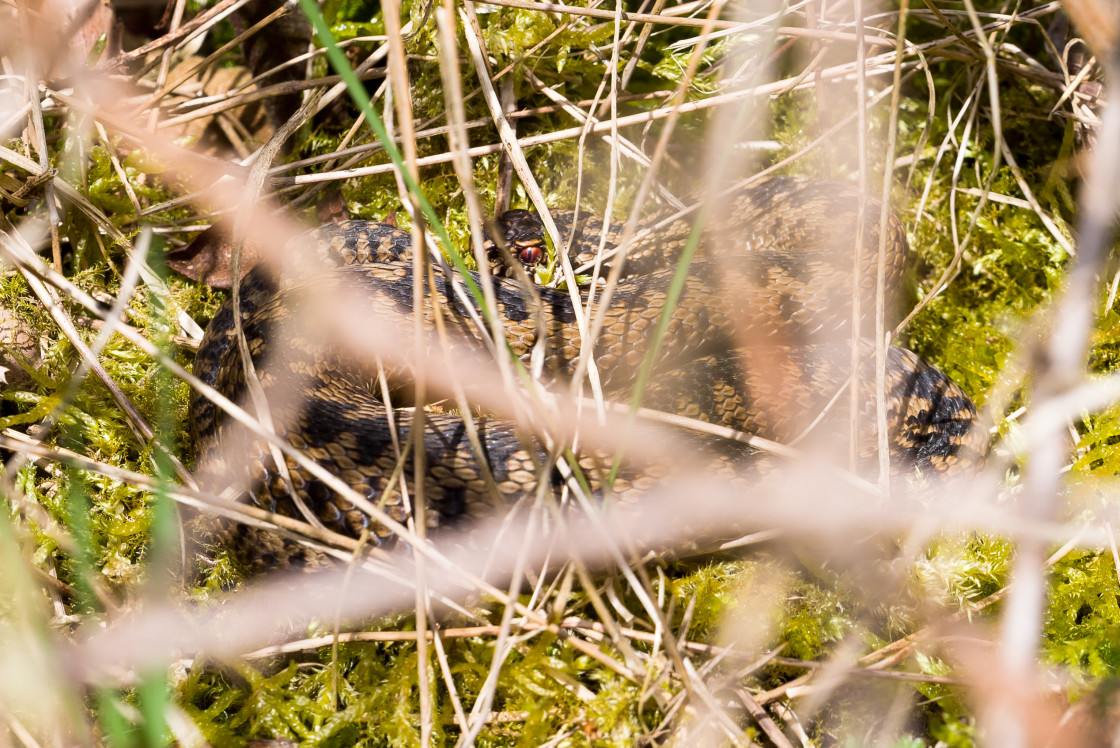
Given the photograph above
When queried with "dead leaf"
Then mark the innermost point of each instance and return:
(208, 258)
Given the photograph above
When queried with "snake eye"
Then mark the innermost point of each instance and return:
(531, 256)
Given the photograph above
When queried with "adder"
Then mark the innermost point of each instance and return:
(760, 342)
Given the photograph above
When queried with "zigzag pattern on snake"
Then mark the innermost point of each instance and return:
(759, 342)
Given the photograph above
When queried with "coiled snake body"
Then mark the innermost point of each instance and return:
(759, 342)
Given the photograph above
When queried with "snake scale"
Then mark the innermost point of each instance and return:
(759, 342)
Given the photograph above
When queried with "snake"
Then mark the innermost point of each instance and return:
(759, 341)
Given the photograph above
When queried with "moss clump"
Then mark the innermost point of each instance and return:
(1083, 626)
(546, 689)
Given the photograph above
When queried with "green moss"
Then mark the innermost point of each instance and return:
(958, 570)
(546, 688)
(1083, 623)
(119, 514)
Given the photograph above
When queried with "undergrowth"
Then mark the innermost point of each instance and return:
(368, 695)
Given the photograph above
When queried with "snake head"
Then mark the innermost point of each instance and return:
(522, 234)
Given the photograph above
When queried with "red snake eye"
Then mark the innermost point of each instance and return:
(531, 256)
